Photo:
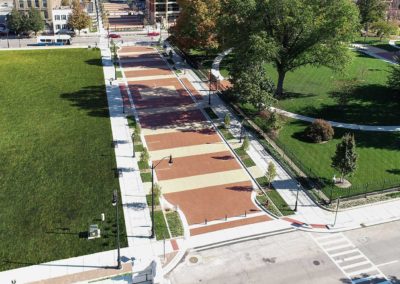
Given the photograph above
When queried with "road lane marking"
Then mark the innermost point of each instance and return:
(387, 263)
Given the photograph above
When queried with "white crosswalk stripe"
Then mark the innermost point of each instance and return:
(349, 259)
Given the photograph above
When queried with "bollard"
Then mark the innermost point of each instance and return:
(226, 217)
(103, 217)
(245, 213)
(205, 222)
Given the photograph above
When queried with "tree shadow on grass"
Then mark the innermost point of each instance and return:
(93, 99)
(96, 62)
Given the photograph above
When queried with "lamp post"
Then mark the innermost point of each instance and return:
(297, 196)
(209, 89)
(241, 131)
(337, 209)
(170, 162)
(115, 203)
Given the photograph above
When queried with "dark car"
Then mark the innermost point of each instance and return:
(114, 36)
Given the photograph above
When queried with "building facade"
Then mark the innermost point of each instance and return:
(60, 19)
(45, 6)
(162, 11)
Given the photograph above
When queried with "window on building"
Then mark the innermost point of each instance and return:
(37, 3)
(58, 27)
(21, 3)
(44, 3)
(63, 17)
(29, 3)
(57, 17)
(64, 27)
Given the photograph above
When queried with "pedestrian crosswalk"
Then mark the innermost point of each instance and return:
(349, 259)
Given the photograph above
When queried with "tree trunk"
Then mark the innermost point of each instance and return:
(279, 87)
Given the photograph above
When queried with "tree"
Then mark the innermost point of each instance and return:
(144, 156)
(384, 29)
(36, 21)
(17, 22)
(252, 85)
(371, 11)
(345, 158)
(227, 120)
(196, 24)
(319, 131)
(270, 174)
(65, 2)
(394, 76)
(246, 143)
(78, 19)
(294, 33)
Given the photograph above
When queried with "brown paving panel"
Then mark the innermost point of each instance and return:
(181, 139)
(171, 118)
(197, 165)
(160, 101)
(87, 275)
(137, 49)
(214, 202)
(192, 89)
(158, 83)
(125, 96)
(147, 72)
(144, 64)
(227, 225)
(137, 56)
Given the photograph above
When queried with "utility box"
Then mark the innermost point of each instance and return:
(94, 232)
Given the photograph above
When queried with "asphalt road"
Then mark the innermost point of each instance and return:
(353, 257)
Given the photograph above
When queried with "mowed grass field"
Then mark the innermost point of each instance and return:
(314, 91)
(378, 163)
(57, 163)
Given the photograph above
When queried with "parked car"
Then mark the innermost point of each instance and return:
(153, 34)
(114, 36)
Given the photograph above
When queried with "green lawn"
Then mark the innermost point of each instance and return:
(379, 158)
(313, 92)
(57, 170)
(174, 223)
(161, 229)
(247, 161)
(225, 132)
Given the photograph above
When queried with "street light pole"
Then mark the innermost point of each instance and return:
(209, 89)
(337, 209)
(170, 162)
(241, 132)
(297, 196)
(115, 203)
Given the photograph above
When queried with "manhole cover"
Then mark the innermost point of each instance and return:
(269, 259)
(363, 240)
(193, 259)
(316, 262)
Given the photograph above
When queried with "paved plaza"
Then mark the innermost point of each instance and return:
(205, 181)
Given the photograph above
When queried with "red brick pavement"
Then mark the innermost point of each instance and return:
(197, 165)
(181, 139)
(214, 202)
(144, 64)
(173, 119)
(137, 49)
(125, 96)
(159, 102)
(150, 72)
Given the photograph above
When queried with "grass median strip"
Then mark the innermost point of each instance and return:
(174, 223)
(275, 197)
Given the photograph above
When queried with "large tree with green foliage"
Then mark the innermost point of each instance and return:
(17, 22)
(291, 33)
(385, 29)
(371, 11)
(345, 158)
(196, 25)
(78, 19)
(253, 85)
(35, 20)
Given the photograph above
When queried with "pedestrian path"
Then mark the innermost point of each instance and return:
(372, 51)
(349, 259)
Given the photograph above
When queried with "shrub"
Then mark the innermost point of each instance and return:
(227, 121)
(246, 143)
(144, 156)
(319, 131)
